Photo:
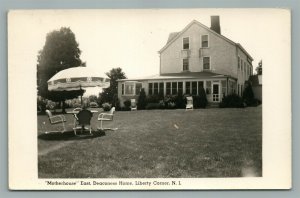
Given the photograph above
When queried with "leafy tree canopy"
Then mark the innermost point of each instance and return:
(259, 68)
(60, 52)
(110, 94)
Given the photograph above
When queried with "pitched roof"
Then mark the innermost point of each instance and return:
(174, 35)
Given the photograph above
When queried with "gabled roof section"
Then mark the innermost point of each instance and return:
(174, 35)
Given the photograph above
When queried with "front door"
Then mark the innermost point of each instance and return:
(216, 95)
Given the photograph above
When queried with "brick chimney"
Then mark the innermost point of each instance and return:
(215, 24)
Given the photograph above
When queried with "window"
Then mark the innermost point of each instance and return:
(200, 86)
(224, 88)
(238, 62)
(155, 88)
(245, 67)
(150, 88)
(129, 88)
(242, 65)
(208, 87)
(174, 88)
(123, 89)
(194, 88)
(186, 43)
(168, 88)
(187, 87)
(180, 88)
(206, 62)
(138, 87)
(204, 41)
(185, 64)
(161, 88)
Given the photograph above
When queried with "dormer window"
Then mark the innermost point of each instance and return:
(206, 63)
(204, 41)
(186, 43)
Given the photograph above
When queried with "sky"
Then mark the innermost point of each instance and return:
(131, 39)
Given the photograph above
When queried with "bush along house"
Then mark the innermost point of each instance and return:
(195, 58)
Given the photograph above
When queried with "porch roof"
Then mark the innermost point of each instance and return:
(183, 75)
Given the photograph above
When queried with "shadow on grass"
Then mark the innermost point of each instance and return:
(69, 135)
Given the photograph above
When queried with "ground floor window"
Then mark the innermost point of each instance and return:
(174, 88)
(194, 88)
(168, 88)
(208, 87)
(200, 86)
(232, 87)
(224, 87)
(156, 88)
(131, 88)
(187, 87)
(180, 88)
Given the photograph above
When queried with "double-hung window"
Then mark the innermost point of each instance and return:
(185, 64)
(186, 43)
(206, 63)
(204, 41)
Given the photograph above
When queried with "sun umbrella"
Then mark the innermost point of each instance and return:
(77, 78)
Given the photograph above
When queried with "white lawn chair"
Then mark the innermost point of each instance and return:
(189, 103)
(106, 117)
(57, 119)
(133, 106)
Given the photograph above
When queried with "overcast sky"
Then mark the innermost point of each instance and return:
(131, 39)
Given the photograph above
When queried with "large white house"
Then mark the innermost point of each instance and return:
(193, 58)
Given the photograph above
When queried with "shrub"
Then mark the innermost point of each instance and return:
(153, 99)
(171, 105)
(141, 104)
(233, 101)
(106, 106)
(127, 104)
(41, 105)
(200, 101)
(153, 106)
(93, 105)
(248, 96)
(179, 101)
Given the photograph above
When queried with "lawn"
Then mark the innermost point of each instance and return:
(157, 144)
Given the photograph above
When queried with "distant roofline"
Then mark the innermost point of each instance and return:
(207, 28)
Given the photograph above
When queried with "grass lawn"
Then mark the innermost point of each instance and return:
(157, 144)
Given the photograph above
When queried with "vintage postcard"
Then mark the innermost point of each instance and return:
(149, 99)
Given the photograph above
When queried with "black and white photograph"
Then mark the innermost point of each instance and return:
(149, 99)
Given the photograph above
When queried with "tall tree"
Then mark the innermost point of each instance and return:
(60, 52)
(259, 68)
(110, 94)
